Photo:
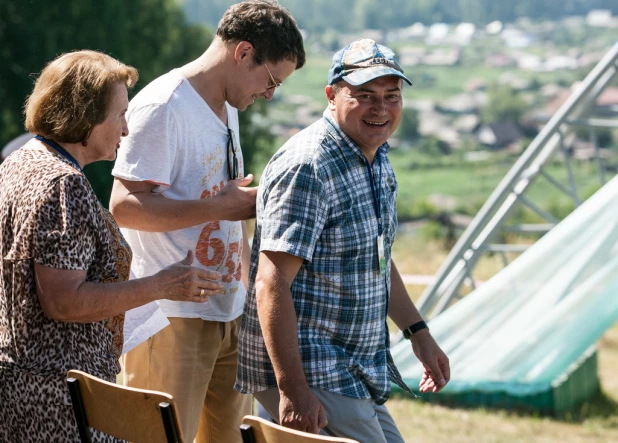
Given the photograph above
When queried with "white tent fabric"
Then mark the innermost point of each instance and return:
(522, 329)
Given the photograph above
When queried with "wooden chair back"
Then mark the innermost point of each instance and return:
(257, 430)
(136, 415)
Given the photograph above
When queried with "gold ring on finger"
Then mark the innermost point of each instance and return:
(202, 292)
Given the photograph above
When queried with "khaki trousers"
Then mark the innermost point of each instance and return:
(195, 361)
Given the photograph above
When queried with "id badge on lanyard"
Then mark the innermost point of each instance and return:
(376, 195)
(381, 255)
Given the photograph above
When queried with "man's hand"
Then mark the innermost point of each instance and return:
(236, 200)
(437, 371)
(302, 411)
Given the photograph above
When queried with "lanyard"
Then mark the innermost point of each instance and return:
(60, 150)
(376, 194)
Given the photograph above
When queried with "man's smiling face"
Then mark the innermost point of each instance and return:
(369, 113)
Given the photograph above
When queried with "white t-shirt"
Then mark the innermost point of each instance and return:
(176, 141)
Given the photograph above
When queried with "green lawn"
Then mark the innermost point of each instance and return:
(472, 184)
(310, 80)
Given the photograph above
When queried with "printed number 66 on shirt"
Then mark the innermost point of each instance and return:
(206, 243)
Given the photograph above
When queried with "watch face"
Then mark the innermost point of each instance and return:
(406, 334)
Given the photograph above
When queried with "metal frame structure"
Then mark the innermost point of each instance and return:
(478, 238)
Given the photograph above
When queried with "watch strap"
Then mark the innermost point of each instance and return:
(413, 329)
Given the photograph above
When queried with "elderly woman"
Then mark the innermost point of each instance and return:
(64, 263)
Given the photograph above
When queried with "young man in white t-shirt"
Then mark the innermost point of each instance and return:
(180, 185)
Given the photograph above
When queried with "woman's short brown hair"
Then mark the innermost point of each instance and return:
(73, 94)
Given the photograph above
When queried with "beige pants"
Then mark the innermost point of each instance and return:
(195, 361)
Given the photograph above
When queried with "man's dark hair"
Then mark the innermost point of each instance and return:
(269, 27)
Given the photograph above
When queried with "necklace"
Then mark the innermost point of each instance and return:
(60, 150)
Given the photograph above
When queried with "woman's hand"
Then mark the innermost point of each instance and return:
(183, 282)
(65, 295)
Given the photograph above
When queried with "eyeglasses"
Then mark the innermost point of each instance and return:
(232, 159)
(273, 84)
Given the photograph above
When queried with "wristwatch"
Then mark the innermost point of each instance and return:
(413, 329)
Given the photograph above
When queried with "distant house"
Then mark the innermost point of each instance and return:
(499, 135)
(515, 38)
(494, 27)
(558, 100)
(499, 61)
(434, 124)
(436, 33)
(550, 90)
(431, 123)
(451, 137)
(601, 18)
(475, 84)
(607, 102)
(467, 123)
(421, 104)
(584, 150)
(415, 31)
(590, 58)
(375, 34)
(514, 81)
(464, 33)
(443, 57)
(560, 63)
(463, 103)
(411, 55)
(530, 62)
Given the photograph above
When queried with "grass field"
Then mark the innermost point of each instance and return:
(471, 184)
(596, 421)
(310, 80)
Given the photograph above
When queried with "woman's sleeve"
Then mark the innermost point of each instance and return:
(64, 225)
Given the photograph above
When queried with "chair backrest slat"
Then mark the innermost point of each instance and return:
(263, 431)
(126, 413)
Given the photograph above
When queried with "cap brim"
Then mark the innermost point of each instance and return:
(362, 76)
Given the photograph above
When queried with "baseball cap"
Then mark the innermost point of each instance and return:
(362, 61)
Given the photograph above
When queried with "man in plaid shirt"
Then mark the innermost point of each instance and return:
(314, 346)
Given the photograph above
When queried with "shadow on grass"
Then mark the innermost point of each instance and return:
(600, 407)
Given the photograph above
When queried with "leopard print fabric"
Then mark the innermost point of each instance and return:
(49, 215)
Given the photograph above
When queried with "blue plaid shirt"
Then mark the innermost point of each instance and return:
(315, 202)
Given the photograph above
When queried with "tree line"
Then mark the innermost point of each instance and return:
(355, 15)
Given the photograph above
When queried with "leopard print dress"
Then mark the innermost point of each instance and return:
(50, 215)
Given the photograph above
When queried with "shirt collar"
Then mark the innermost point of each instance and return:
(335, 130)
